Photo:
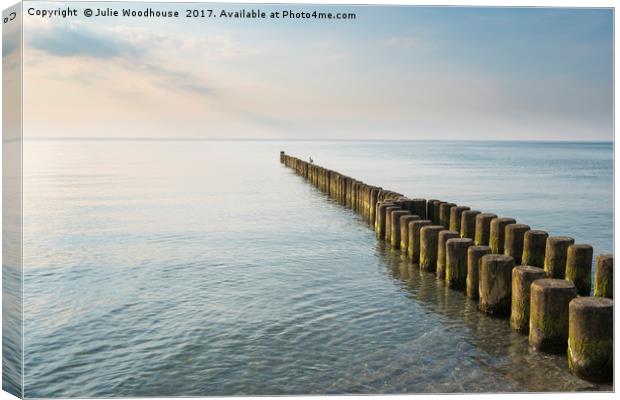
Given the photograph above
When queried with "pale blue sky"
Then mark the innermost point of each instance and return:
(392, 73)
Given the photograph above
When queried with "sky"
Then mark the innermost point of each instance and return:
(392, 73)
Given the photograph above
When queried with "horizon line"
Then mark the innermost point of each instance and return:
(194, 139)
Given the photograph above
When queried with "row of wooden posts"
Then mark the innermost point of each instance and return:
(541, 283)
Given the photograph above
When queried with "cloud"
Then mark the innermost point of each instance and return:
(405, 42)
(175, 80)
(68, 41)
(220, 46)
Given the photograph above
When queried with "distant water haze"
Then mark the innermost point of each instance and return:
(159, 268)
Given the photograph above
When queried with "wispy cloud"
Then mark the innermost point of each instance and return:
(69, 40)
(405, 42)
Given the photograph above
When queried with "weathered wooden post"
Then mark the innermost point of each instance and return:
(437, 212)
(474, 254)
(468, 223)
(382, 218)
(456, 261)
(404, 231)
(374, 195)
(282, 157)
(407, 204)
(413, 248)
(456, 213)
(522, 278)
(441, 251)
(579, 267)
(395, 225)
(419, 208)
(604, 276)
(591, 338)
(483, 228)
(494, 285)
(555, 256)
(430, 209)
(429, 236)
(388, 221)
(534, 244)
(444, 214)
(513, 242)
(549, 300)
(497, 233)
(354, 184)
(349, 189)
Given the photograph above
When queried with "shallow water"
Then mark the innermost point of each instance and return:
(207, 268)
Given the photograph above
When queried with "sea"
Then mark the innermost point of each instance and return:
(207, 268)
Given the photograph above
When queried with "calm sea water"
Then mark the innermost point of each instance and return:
(207, 268)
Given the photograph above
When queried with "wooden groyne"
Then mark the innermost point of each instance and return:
(541, 284)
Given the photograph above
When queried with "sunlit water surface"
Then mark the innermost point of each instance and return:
(207, 268)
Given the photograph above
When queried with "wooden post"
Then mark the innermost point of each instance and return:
(522, 278)
(429, 236)
(494, 285)
(497, 233)
(549, 300)
(513, 242)
(474, 254)
(604, 276)
(579, 267)
(555, 256)
(483, 228)
(591, 338)
(534, 243)
(456, 261)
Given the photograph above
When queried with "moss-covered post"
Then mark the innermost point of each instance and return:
(353, 193)
(522, 278)
(456, 262)
(474, 254)
(534, 244)
(395, 226)
(494, 284)
(591, 338)
(407, 204)
(555, 256)
(430, 209)
(497, 233)
(468, 223)
(374, 194)
(429, 236)
(348, 189)
(413, 247)
(579, 267)
(404, 231)
(444, 214)
(549, 300)
(345, 188)
(513, 242)
(455, 217)
(604, 276)
(483, 228)
(360, 198)
(419, 208)
(388, 221)
(382, 218)
(366, 202)
(437, 212)
(441, 251)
